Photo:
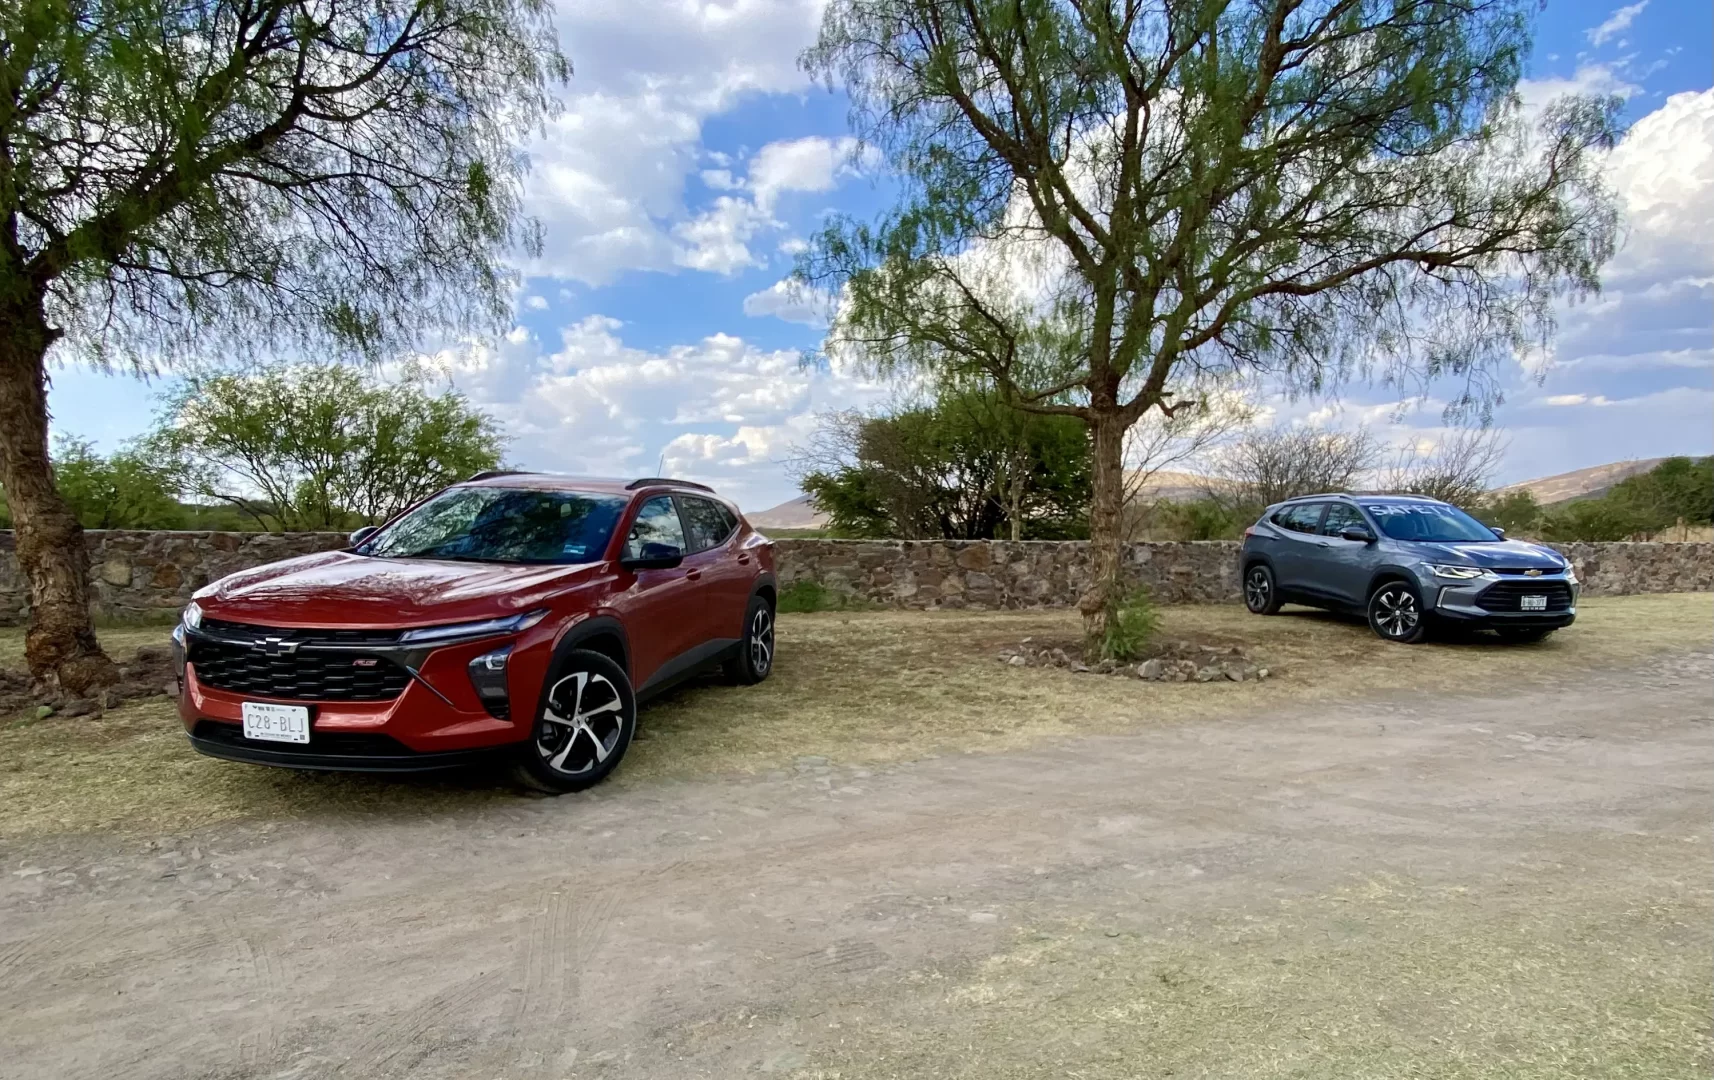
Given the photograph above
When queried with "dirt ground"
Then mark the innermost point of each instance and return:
(1504, 874)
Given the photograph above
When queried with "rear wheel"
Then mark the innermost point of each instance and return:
(583, 727)
(1395, 613)
(756, 652)
(1521, 635)
(1260, 595)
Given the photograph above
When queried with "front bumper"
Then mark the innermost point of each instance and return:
(329, 753)
(1495, 601)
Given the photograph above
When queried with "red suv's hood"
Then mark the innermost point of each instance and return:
(337, 588)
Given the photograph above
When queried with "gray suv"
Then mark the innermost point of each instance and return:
(1405, 562)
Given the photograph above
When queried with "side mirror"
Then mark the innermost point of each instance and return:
(362, 534)
(1499, 532)
(654, 557)
(1359, 534)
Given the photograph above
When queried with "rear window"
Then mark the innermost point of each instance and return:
(1299, 517)
(709, 522)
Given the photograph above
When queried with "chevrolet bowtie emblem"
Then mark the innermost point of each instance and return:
(275, 646)
(1533, 573)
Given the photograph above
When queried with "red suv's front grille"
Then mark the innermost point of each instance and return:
(276, 663)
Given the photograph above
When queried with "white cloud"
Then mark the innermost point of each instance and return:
(1616, 23)
(1600, 80)
(788, 300)
(722, 410)
(608, 178)
(536, 303)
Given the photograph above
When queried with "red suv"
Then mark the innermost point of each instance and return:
(513, 615)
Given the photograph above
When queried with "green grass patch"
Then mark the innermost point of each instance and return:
(803, 597)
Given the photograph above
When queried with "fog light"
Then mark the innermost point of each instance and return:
(488, 676)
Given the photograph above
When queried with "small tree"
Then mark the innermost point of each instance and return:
(965, 467)
(129, 489)
(321, 447)
(1457, 468)
(1266, 465)
(248, 176)
(1102, 203)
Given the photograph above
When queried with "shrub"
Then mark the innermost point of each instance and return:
(805, 596)
(1131, 627)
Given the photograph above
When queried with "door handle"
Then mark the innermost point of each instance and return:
(744, 560)
(694, 575)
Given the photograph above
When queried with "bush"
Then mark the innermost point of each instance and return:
(1592, 519)
(1131, 627)
(805, 596)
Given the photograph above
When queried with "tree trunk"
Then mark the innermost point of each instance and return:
(60, 646)
(1105, 544)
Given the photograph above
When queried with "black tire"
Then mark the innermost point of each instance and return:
(584, 724)
(755, 657)
(1396, 614)
(1524, 635)
(1261, 596)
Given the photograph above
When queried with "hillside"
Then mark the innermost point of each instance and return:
(1581, 483)
(798, 513)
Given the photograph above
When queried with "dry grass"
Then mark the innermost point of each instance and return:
(1385, 979)
(853, 687)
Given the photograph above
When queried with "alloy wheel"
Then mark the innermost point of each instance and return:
(1257, 589)
(761, 641)
(582, 723)
(1396, 613)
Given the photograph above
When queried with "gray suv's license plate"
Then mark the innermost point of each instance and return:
(1534, 603)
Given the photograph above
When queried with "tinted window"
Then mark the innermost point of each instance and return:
(1341, 516)
(1300, 517)
(492, 524)
(657, 531)
(708, 523)
(1438, 523)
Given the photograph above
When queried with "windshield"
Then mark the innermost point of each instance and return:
(1435, 523)
(508, 525)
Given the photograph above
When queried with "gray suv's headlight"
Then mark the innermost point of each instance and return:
(1459, 573)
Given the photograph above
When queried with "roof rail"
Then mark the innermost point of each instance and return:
(666, 481)
(489, 474)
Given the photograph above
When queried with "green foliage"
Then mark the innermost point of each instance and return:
(321, 447)
(128, 489)
(1678, 489)
(967, 467)
(806, 596)
(1590, 519)
(277, 177)
(1130, 627)
(1517, 512)
(1199, 519)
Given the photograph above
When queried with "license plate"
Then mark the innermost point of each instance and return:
(276, 723)
(1534, 603)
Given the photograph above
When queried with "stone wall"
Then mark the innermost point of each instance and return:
(140, 573)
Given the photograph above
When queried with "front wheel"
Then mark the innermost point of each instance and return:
(756, 651)
(583, 725)
(1260, 595)
(1395, 613)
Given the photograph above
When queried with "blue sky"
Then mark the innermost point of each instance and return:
(693, 156)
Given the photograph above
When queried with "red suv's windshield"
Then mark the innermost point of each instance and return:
(509, 525)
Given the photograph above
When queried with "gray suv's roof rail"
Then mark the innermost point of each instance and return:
(1323, 495)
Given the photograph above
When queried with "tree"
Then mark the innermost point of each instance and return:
(1269, 465)
(1103, 202)
(1456, 468)
(327, 177)
(129, 489)
(1515, 511)
(966, 466)
(321, 447)
(1679, 489)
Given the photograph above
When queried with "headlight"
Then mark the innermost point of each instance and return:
(1460, 573)
(509, 625)
(192, 615)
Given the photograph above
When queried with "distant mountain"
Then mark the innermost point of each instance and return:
(798, 513)
(1581, 483)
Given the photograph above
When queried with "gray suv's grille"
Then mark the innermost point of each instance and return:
(1508, 595)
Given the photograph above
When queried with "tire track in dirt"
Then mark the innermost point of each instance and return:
(395, 1043)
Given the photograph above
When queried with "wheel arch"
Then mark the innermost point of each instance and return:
(765, 587)
(1384, 574)
(602, 634)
